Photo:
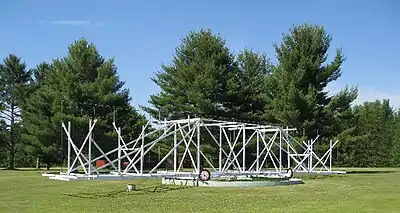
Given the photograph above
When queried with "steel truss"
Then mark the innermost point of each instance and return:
(276, 151)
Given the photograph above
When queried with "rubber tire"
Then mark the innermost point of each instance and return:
(291, 172)
(209, 175)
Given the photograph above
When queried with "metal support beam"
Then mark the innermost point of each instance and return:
(270, 142)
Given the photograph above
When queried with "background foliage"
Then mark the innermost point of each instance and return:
(205, 78)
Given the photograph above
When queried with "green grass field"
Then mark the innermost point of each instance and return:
(367, 190)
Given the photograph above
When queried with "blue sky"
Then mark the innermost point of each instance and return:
(141, 35)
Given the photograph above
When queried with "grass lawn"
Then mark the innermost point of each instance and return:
(372, 190)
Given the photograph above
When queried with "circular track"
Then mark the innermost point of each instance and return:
(204, 175)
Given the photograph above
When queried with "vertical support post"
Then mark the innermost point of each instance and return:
(280, 149)
(263, 138)
(189, 122)
(288, 146)
(330, 155)
(220, 148)
(69, 147)
(244, 149)
(258, 151)
(142, 152)
(311, 156)
(198, 149)
(165, 126)
(175, 152)
(90, 149)
(188, 149)
(119, 150)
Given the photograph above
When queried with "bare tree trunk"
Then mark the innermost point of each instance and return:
(37, 163)
(11, 155)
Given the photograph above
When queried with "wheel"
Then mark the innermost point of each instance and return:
(204, 175)
(290, 172)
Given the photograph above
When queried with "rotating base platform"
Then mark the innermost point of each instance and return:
(234, 184)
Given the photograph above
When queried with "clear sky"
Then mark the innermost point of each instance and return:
(141, 35)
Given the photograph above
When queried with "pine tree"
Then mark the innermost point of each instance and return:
(250, 91)
(297, 86)
(76, 88)
(375, 121)
(197, 81)
(395, 153)
(14, 78)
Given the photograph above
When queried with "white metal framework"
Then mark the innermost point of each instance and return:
(272, 151)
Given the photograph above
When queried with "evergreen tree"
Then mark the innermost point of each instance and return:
(297, 86)
(78, 87)
(375, 121)
(197, 81)
(250, 87)
(395, 153)
(3, 141)
(14, 78)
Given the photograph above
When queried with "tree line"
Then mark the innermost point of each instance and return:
(205, 78)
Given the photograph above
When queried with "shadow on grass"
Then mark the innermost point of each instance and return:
(25, 170)
(338, 176)
(318, 177)
(369, 172)
(48, 171)
(119, 193)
